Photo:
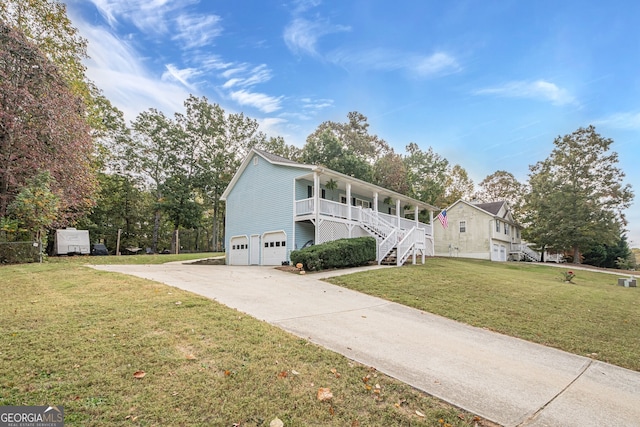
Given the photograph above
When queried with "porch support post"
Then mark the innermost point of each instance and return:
(416, 212)
(348, 201)
(375, 201)
(316, 205)
(433, 236)
(398, 212)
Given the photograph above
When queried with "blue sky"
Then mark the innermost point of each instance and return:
(488, 84)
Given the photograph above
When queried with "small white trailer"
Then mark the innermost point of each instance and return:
(69, 241)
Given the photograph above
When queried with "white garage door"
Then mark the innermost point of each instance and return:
(239, 251)
(274, 248)
(503, 253)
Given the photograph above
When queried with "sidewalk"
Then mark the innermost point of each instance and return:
(503, 379)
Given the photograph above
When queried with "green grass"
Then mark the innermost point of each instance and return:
(73, 336)
(130, 259)
(592, 316)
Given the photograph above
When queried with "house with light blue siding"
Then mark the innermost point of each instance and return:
(275, 205)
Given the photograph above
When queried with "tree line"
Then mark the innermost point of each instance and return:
(68, 158)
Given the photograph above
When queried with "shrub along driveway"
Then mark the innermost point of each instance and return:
(507, 380)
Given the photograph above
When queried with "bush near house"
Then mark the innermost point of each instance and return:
(336, 254)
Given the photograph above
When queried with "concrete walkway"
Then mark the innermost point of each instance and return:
(503, 379)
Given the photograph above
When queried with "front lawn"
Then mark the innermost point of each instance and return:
(77, 337)
(131, 259)
(591, 317)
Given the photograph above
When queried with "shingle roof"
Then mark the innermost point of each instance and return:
(492, 208)
(275, 157)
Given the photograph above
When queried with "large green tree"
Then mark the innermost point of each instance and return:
(577, 197)
(458, 185)
(43, 128)
(503, 186)
(354, 137)
(427, 174)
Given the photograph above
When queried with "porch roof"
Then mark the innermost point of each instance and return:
(307, 172)
(365, 188)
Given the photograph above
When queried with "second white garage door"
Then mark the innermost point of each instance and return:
(274, 248)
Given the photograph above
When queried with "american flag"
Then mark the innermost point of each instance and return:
(442, 216)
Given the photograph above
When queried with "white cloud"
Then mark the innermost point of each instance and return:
(118, 71)
(265, 103)
(197, 31)
(182, 76)
(628, 121)
(316, 104)
(436, 64)
(539, 89)
(302, 35)
(148, 15)
(257, 75)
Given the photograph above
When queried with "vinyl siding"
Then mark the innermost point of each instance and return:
(261, 201)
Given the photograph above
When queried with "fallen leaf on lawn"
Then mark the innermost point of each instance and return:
(294, 372)
(365, 379)
(178, 302)
(283, 374)
(227, 373)
(355, 423)
(461, 416)
(191, 357)
(420, 414)
(139, 374)
(324, 394)
(335, 372)
(276, 422)
(397, 405)
(331, 411)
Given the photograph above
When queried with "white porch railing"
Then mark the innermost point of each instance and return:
(411, 240)
(335, 209)
(391, 232)
(305, 207)
(526, 251)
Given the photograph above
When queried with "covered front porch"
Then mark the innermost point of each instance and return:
(335, 206)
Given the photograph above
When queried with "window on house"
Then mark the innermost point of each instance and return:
(284, 243)
(277, 244)
(271, 244)
(463, 226)
(363, 203)
(392, 211)
(266, 244)
(309, 191)
(497, 226)
(324, 194)
(343, 199)
(255, 160)
(506, 229)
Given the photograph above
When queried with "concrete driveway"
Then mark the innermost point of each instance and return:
(503, 379)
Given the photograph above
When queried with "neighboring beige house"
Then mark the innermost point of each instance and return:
(482, 231)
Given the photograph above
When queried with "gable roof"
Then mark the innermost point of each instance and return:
(493, 207)
(274, 158)
(278, 160)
